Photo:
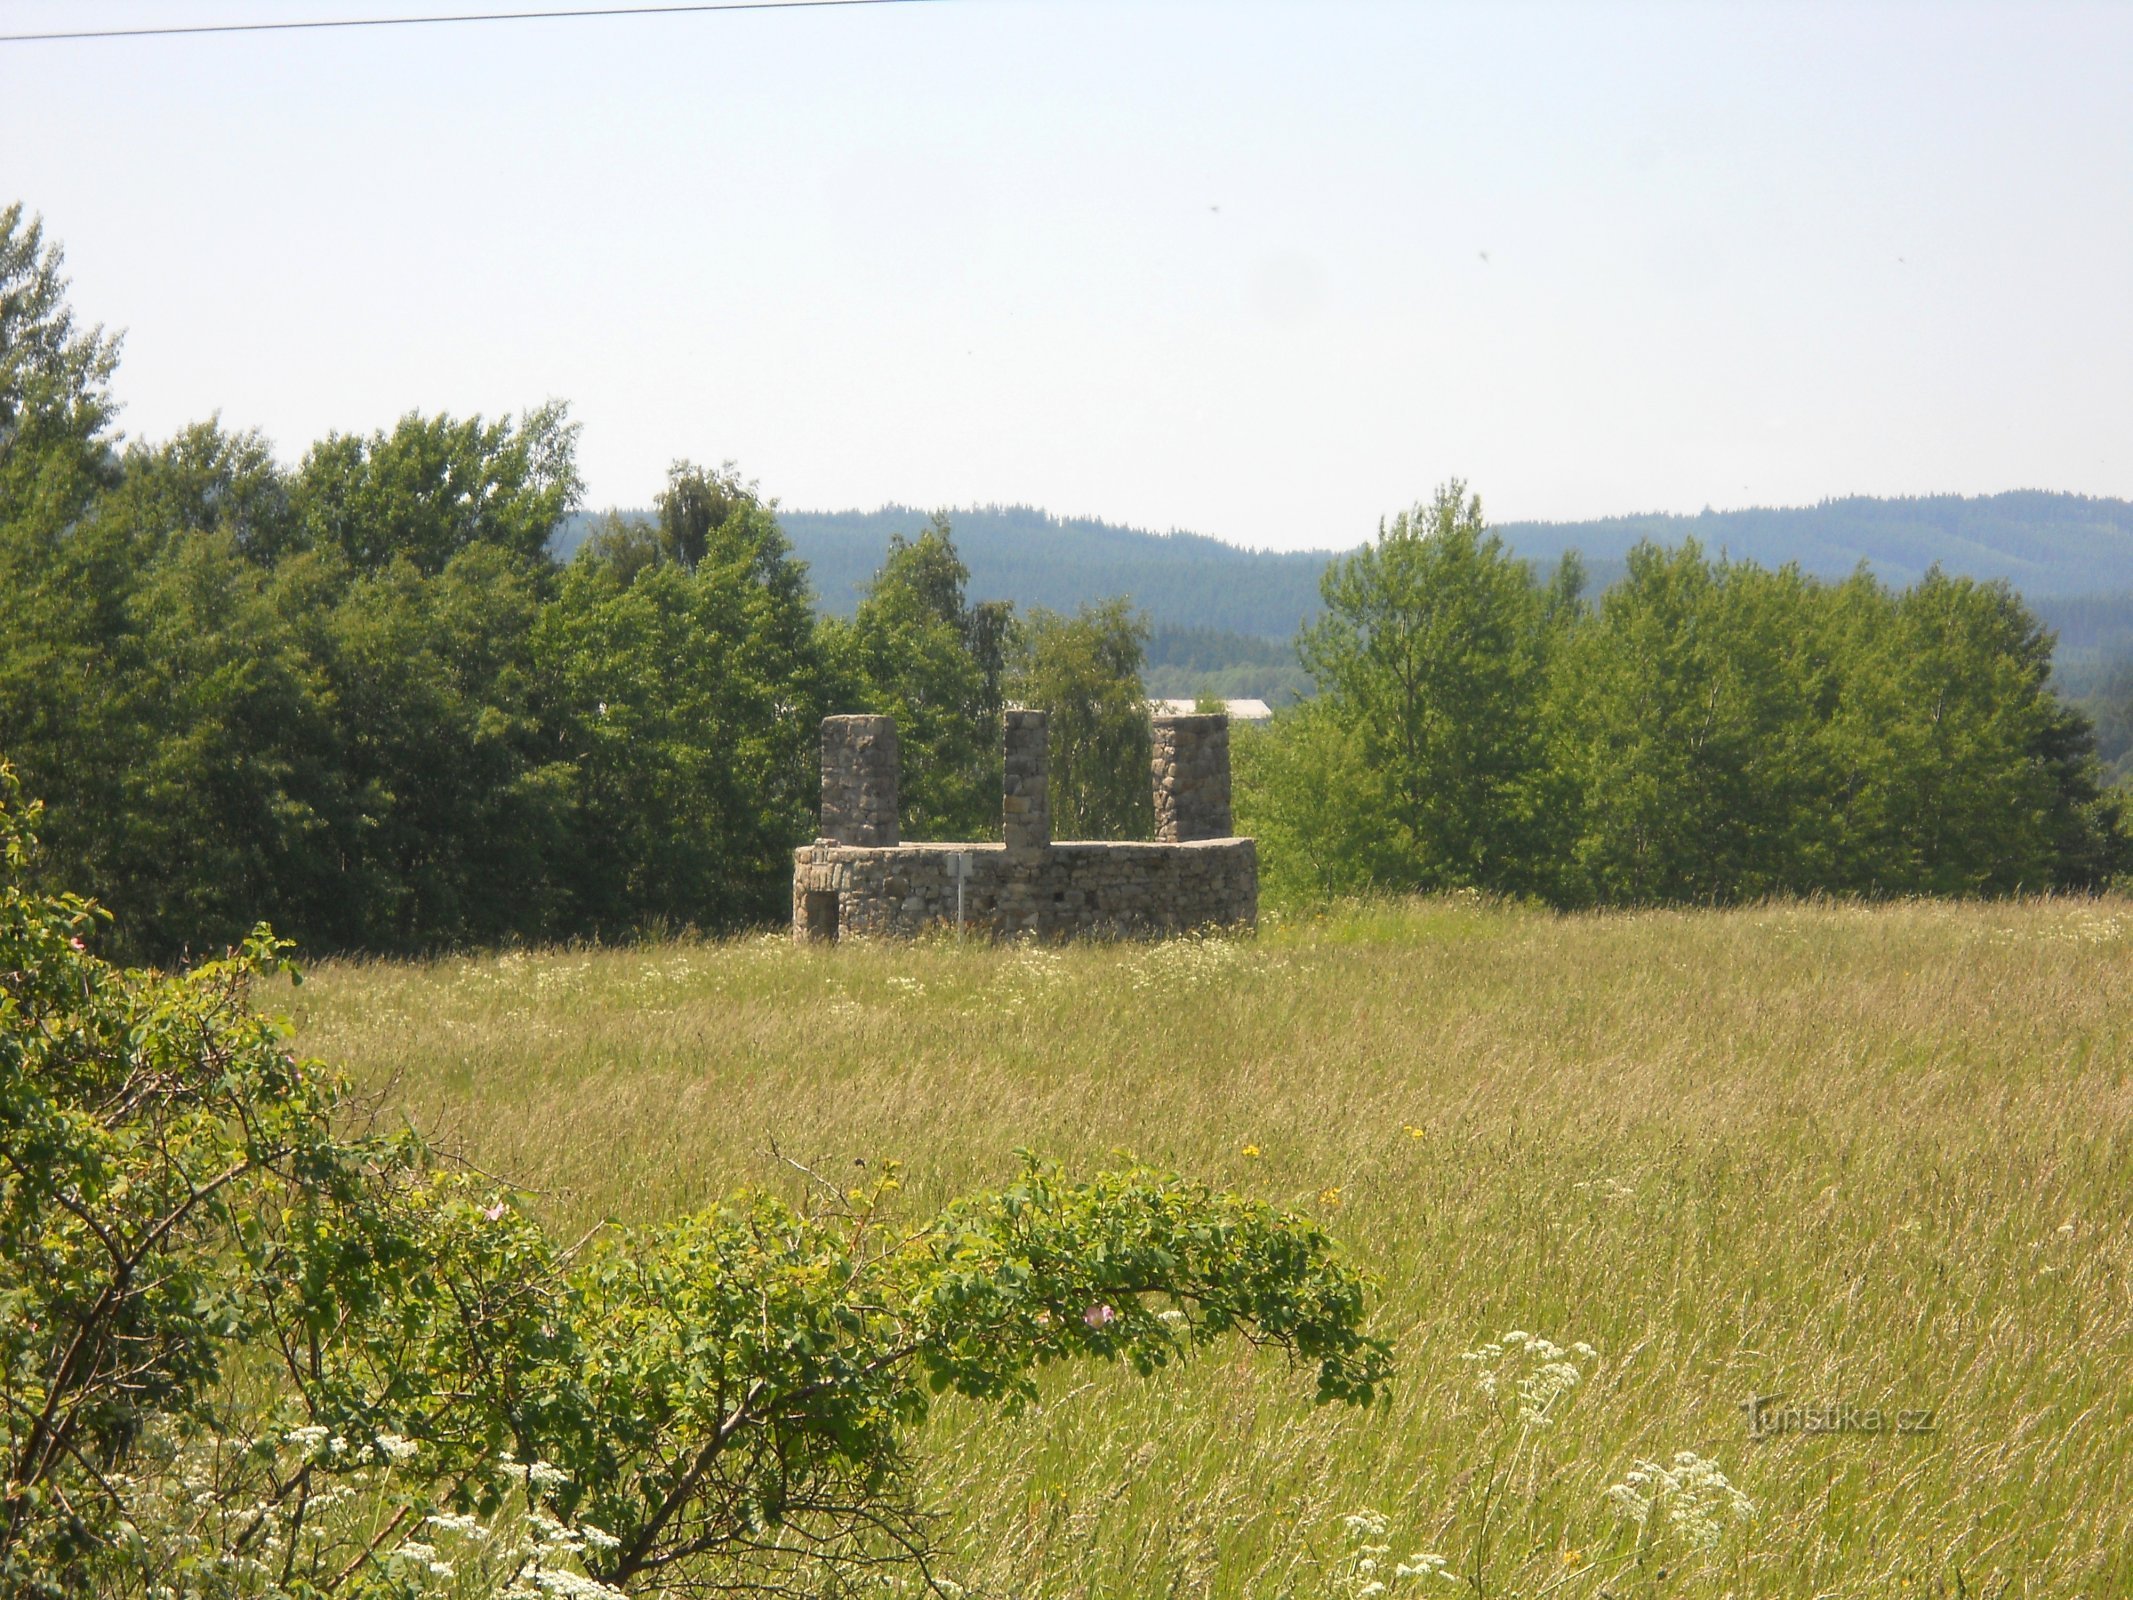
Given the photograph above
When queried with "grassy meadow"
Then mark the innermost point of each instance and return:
(1869, 1158)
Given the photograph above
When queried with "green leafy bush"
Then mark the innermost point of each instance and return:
(252, 1344)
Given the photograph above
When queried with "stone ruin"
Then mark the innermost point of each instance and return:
(859, 878)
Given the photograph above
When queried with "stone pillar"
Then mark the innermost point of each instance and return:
(859, 780)
(1191, 772)
(1025, 801)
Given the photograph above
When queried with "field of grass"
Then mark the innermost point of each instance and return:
(1875, 1158)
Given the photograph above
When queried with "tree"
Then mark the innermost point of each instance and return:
(55, 401)
(689, 513)
(1960, 771)
(1430, 654)
(917, 650)
(60, 586)
(1304, 789)
(685, 699)
(436, 485)
(1085, 671)
(457, 808)
(2109, 707)
(252, 1347)
(1686, 723)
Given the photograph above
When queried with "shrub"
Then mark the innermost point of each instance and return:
(251, 1344)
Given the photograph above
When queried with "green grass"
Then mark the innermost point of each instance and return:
(1882, 1157)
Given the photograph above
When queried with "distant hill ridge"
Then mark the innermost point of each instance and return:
(2071, 554)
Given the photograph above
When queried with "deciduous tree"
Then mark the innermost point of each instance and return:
(1085, 671)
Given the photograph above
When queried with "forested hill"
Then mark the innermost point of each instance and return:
(2046, 545)
(1033, 558)
(2050, 546)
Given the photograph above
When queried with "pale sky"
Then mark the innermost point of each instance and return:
(1263, 271)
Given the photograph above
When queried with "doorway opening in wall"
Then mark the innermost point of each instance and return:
(818, 916)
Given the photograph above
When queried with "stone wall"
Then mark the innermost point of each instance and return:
(859, 771)
(857, 879)
(1191, 773)
(1025, 783)
(1093, 889)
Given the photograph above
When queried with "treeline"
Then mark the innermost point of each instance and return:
(2070, 555)
(1708, 731)
(358, 698)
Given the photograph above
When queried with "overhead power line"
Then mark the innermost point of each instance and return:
(463, 16)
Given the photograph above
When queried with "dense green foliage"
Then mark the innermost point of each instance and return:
(244, 1351)
(1708, 732)
(918, 651)
(1086, 670)
(1430, 649)
(359, 697)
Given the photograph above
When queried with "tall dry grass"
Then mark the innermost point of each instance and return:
(1871, 1157)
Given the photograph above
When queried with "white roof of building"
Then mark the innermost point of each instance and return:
(1239, 710)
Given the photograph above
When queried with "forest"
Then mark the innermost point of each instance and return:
(362, 698)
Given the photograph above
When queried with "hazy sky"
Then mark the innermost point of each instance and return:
(1265, 271)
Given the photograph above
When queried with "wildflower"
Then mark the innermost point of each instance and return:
(543, 1476)
(1412, 1131)
(495, 1213)
(1426, 1564)
(1690, 1495)
(1330, 1197)
(1251, 1152)
(1099, 1316)
(1541, 1371)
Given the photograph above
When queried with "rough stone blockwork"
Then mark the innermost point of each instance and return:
(859, 771)
(1025, 787)
(1191, 771)
(1194, 876)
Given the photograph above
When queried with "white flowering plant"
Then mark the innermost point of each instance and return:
(1527, 1377)
(1368, 1568)
(1520, 1383)
(1686, 1504)
(251, 1346)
